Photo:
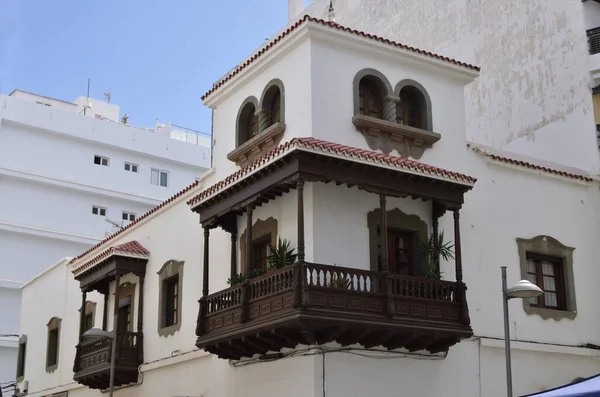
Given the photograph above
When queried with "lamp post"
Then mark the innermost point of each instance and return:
(101, 334)
(524, 290)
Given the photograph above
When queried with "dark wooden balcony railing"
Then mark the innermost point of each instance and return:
(93, 356)
(594, 40)
(312, 303)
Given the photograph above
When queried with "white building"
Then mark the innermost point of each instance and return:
(67, 181)
(314, 110)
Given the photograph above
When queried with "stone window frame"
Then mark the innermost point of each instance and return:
(171, 268)
(426, 109)
(268, 134)
(549, 246)
(239, 128)
(90, 308)
(260, 229)
(21, 358)
(53, 325)
(127, 290)
(397, 219)
(265, 104)
(386, 134)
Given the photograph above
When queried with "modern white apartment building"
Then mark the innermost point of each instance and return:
(70, 174)
(357, 149)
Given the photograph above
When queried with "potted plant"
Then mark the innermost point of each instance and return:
(434, 249)
(281, 255)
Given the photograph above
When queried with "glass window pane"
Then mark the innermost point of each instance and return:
(549, 283)
(530, 266)
(547, 268)
(134, 168)
(163, 179)
(550, 299)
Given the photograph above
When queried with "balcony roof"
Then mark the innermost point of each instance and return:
(317, 160)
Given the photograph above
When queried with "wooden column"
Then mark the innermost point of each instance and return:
(140, 320)
(457, 250)
(301, 244)
(233, 265)
(462, 288)
(82, 314)
(385, 267)
(201, 320)
(116, 313)
(205, 273)
(248, 241)
(116, 305)
(437, 210)
(105, 311)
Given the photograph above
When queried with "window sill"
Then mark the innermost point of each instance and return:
(386, 136)
(547, 314)
(170, 330)
(257, 146)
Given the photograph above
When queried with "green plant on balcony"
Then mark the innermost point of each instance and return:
(434, 249)
(339, 281)
(236, 279)
(281, 255)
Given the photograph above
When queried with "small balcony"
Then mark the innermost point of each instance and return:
(310, 303)
(92, 362)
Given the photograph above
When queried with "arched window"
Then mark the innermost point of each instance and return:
(414, 107)
(247, 124)
(272, 104)
(370, 98)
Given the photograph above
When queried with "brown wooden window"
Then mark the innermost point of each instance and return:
(370, 100)
(276, 108)
(248, 124)
(408, 110)
(124, 320)
(547, 273)
(171, 303)
(52, 352)
(260, 252)
(88, 321)
(400, 251)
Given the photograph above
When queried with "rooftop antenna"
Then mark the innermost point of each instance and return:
(331, 12)
(115, 224)
(88, 97)
(107, 95)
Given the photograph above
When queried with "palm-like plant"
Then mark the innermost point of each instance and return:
(282, 255)
(434, 249)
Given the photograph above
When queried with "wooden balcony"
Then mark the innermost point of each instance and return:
(92, 360)
(309, 303)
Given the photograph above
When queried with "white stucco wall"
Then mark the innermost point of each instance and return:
(294, 71)
(533, 95)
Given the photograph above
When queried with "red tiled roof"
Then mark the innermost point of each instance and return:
(131, 248)
(333, 25)
(526, 164)
(349, 152)
(138, 220)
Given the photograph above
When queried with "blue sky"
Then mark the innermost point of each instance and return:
(156, 57)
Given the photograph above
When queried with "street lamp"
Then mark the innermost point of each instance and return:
(523, 290)
(101, 334)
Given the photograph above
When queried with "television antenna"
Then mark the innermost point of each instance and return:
(115, 224)
(107, 95)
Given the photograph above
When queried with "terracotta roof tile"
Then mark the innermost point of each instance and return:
(131, 248)
(349, 152)
(548, 170)
(529, 165)
(333, 25)
(138, 220)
